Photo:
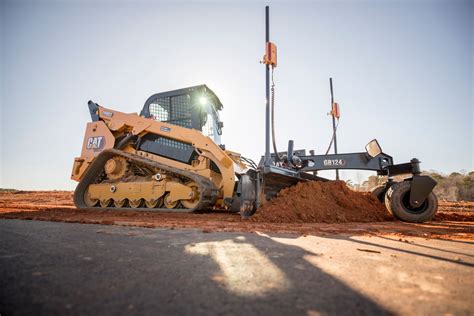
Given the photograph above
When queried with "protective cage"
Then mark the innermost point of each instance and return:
(182, 108)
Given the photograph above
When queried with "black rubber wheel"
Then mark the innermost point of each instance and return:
(379, 192)
(397, 201)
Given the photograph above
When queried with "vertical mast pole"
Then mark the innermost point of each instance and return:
(267, 91)
(333, 124)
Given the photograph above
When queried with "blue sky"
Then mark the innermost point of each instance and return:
(403, 73)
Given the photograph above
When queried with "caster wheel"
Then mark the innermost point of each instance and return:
(397, 201)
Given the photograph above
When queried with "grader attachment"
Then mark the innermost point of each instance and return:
(170, 158)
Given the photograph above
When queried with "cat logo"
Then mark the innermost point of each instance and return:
(96, 143)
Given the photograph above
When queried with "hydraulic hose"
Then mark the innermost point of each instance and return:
(333, 136)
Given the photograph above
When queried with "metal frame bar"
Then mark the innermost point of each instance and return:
(360, 161)
(382, 163)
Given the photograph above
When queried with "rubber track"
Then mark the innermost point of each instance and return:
(207, 191)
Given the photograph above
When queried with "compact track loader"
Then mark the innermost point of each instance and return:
(170, 158)
(162, 159)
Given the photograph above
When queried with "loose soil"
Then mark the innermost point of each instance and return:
(328, 209)
(322, 202)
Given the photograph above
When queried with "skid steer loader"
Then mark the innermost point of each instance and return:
(167, 158)
(170, 158)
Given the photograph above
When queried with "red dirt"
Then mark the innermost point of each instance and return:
(455, 220)
(36, 199)
(322, 202)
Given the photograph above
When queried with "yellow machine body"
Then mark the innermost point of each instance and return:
(130, 177)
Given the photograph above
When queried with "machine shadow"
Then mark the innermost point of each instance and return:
(427, 247)
(310, 290)
(378, 245)
(413, 253)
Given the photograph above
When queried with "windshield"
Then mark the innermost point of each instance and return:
(211, 126)
(190, 112)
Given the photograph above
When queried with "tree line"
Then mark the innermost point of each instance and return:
(456, 186)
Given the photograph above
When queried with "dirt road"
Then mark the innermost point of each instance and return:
(454, 220)
(138, 262)
(59, 268)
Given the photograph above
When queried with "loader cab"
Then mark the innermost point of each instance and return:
(194, 107)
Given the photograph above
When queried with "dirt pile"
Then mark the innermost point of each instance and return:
(322, 202)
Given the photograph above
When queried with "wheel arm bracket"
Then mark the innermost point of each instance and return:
(421, 186)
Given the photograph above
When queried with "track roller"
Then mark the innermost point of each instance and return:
(120, 203)
(168, 203)
(135, 203)
(105, 203)
(194, 200)
(154, 203)
(88, 201)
